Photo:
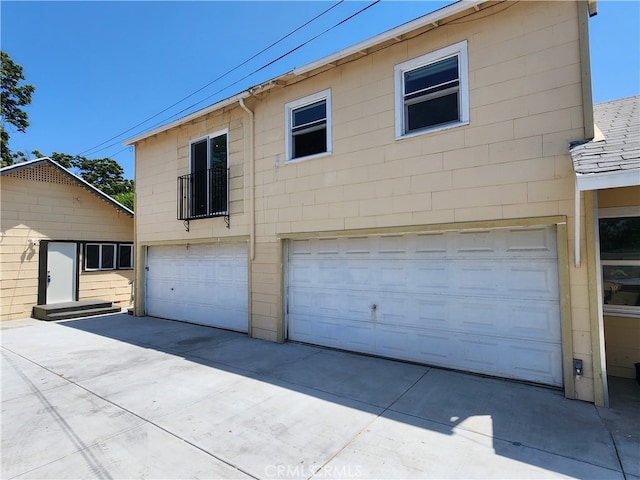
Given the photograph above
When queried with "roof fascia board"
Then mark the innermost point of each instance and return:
(16, 167)
(192, 116)
(21, 166)
(430, 18)
(598, 181)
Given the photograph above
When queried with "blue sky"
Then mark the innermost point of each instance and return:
(101, 68)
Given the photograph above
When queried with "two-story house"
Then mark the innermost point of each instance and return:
(411, 196)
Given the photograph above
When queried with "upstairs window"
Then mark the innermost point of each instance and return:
(309, 126)
(432, 91)
(204, 192)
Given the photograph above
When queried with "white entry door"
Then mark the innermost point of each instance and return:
(62, 270)
(204, 284)
(480, 301)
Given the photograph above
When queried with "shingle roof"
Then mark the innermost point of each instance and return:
(617, 156)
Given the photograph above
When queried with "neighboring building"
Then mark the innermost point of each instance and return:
(608, 167)
(411, 196)
(63, 240)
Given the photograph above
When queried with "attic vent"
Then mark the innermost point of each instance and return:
(43, 173)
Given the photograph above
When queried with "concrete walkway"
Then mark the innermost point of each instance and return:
(124, 397)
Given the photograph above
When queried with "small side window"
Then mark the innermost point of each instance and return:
(92, 256)
(309, 126)
(125, 257)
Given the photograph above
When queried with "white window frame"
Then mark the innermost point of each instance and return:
(224, 131)
(290, 107)
(459, 49)
(608, 309)
(100, 245)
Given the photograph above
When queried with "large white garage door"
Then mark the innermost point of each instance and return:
(205, 284)
(480, 301)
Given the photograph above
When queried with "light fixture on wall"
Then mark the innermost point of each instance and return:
(34, 242)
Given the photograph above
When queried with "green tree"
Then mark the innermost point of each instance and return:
(103, 173)
(12, 98)
(127, 199)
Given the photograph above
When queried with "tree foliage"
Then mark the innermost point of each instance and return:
(13, 97)
(127, 199)
(103, 173)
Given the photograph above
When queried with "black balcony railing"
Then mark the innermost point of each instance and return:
(204, 194)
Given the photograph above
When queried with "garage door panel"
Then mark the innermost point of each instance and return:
(358, 245)
(530, 241)
(432, 312)
(473, 300)
(537, 361)
(431, 243)
(432, 347)
(204, 284)
(478, 354)
(475, 317)
(358, 337)
(336, 332)
(474, 242)
(540, 281)
(538, 322)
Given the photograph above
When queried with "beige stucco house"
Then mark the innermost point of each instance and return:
(412, 197)
(62, 240)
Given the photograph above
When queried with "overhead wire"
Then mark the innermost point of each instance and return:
(214, 80)
(275, 60)
(268, 64)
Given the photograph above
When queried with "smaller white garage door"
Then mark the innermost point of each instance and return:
(482, 301)
(204, 284)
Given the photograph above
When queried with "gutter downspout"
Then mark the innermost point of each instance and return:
(252, 184)
(584, 12)
(586, 9)
(577, 213)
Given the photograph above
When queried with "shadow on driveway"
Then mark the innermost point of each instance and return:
(293, 410)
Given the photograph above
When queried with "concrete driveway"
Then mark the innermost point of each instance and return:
(124, 397)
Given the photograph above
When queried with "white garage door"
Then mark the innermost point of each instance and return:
(480, 301)
(205, 284)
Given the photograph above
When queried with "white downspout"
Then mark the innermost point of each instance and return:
(576, 246)
(252, 185)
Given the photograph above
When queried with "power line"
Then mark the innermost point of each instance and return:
(214, 80)
(256, 70)
(279, 58)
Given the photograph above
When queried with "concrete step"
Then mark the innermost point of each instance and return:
(82, 313)
(84, 308)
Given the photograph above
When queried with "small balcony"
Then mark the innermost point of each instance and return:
(204, 194)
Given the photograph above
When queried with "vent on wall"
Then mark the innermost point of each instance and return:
(43, 173)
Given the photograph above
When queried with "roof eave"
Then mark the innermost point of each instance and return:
(598, 181)
(199, 113)
(431, 18)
